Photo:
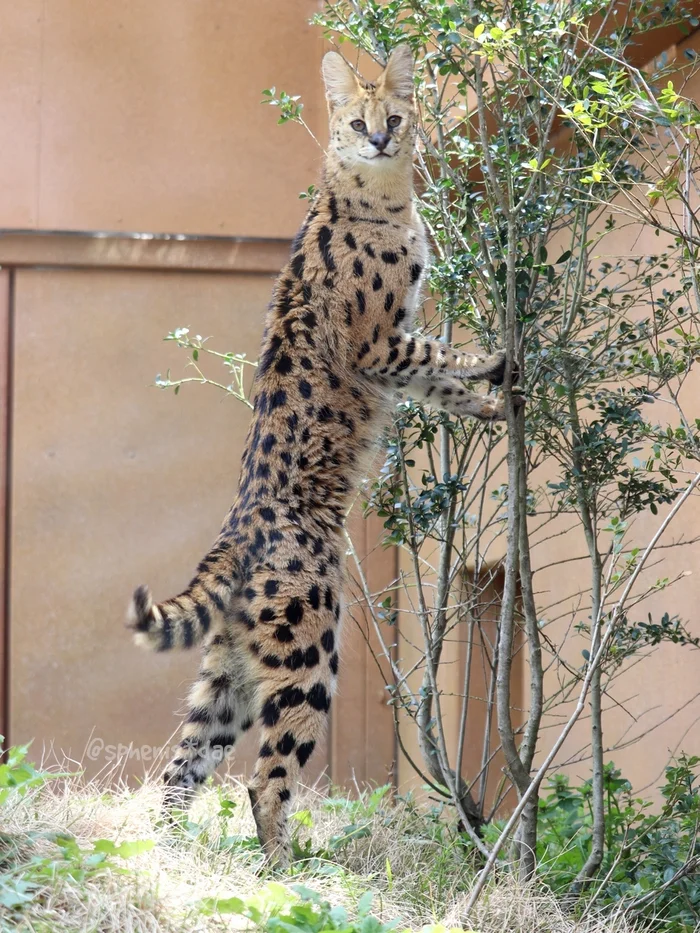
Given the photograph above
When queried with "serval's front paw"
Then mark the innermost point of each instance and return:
(497, 373)
(497, 368)
(494, 407)
(519, 397)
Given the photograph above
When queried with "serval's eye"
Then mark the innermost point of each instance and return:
(393, 122)
(358, 125)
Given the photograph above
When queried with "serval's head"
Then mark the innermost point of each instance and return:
(371, 124)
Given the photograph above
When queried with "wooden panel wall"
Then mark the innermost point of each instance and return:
(115, 483)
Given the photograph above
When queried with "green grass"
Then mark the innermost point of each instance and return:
(81, 857)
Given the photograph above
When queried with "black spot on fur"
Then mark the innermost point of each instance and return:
(295, 660)
(243, 617)
(284, 365)
(318, 698)
(200, 714)
(294, 611)
(311, 657)
(324, 240)
(289, 698)
(272, 661)
(221, 683)
(286, 744)
(304, 752)
(333, 209)
(270, 713)
(269, 354)
(314, 597)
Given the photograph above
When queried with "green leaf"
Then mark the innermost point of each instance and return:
(223, 905)
(127, 850)
(364, 905)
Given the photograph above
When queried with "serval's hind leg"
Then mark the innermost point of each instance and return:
(293, 722)
(293, 648)
(220, 707)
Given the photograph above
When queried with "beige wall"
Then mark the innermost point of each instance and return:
(146, 115)
(114, 483)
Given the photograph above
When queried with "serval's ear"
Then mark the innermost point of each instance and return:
(339, 78)
(397, 77)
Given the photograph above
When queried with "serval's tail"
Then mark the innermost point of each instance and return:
(183, 622)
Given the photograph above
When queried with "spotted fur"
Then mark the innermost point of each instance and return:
(338, 346)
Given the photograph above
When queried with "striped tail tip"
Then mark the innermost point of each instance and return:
(145, 621)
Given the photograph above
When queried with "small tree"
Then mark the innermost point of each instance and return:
(540, 144)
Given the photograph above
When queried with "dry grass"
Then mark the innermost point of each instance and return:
(418, 876)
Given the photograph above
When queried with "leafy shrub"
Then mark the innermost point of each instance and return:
(651, 853)
(35, 861)
(278, 909)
